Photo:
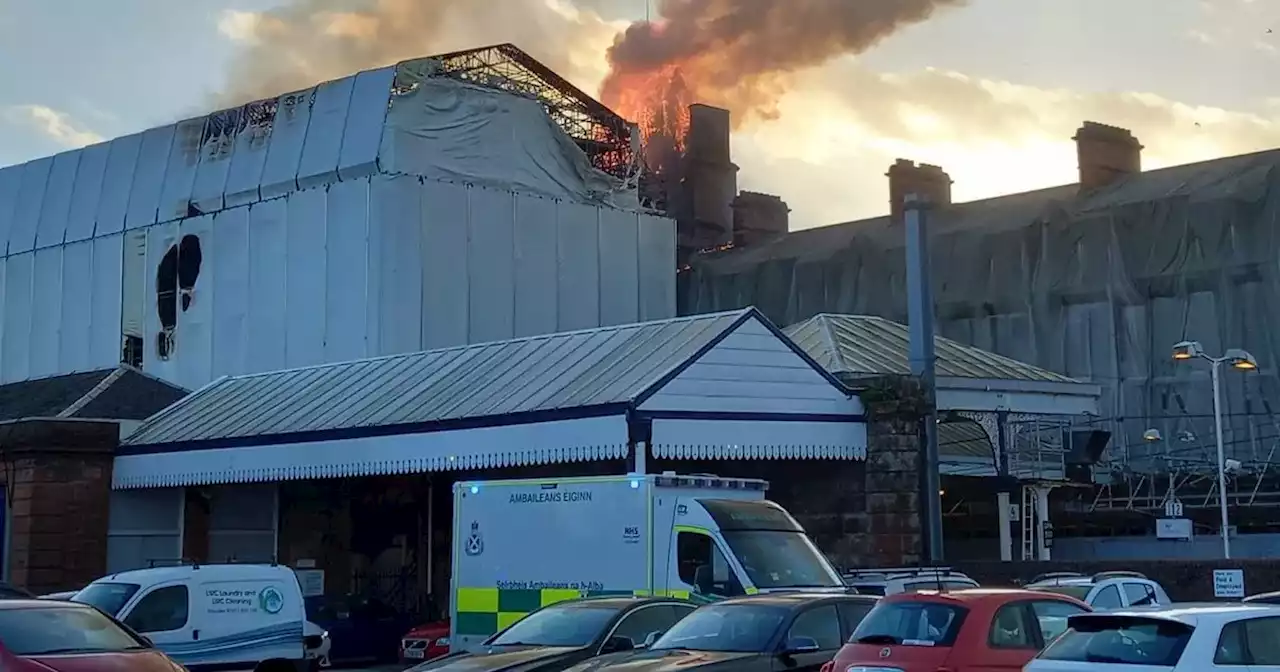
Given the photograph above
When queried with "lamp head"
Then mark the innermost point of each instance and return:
(1241, 359)
(1151, 435)
(1188, 350)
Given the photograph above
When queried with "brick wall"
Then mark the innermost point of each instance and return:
(58, 477)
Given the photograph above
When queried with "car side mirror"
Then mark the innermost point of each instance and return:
(618, 643)
(797, 645)
(651, 639)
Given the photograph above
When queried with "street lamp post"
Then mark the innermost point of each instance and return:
(1238, 359)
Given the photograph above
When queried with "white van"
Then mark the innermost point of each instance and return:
(249, 616)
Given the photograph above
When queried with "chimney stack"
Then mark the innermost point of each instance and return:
(759, 218)
(705, 213)
(1106, 154)
(929, 182)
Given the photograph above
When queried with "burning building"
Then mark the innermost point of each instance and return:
(468, 197)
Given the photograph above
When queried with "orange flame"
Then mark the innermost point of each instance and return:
(657, 101)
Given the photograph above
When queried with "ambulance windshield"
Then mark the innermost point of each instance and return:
(770, 545)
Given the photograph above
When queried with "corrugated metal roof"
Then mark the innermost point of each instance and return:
(561, 371)
(865, 345)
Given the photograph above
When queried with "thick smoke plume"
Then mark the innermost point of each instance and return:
(739, 54)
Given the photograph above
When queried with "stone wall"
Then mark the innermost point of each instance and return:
(58, 481)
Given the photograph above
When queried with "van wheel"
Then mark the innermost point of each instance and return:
(276, 666)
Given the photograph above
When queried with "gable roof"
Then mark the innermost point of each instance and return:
(529, 379)
(122, 393)
(865, 345)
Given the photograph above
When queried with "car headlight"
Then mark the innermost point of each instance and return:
(443, 641)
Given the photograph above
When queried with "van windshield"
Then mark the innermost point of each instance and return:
(781, 559)
(108, 597)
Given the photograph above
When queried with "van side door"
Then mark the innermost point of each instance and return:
(700, 567)
(163, 613)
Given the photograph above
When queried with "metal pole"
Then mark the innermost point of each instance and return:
(920, 324)
(1222, 460)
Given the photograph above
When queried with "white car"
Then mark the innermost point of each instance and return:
(1204, 637)
(318, 644)
(906, 580)
(1104, 591)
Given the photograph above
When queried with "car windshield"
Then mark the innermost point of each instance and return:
(1078, 592)
(780, 559)
(109, 597)
(741, 628)
(570, 625)
(1120, 640)
(62, 629)
(916, 623)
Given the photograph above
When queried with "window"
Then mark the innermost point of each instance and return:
(703, 566)
(911, 624)
(161, 610)
(738, 628)
(570, 625)
(1052, 617)
(1120, 640)
(852, 613)
(644, 621)
(65, 629)
(778, 559)
(109, 597)
(1010, 629)
(1107, 598)
(869, 588)
(1140, 594)
(1252, 642)
(821, 624)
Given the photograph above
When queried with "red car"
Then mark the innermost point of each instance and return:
(48, 636)
(425, 642)
(978, 630)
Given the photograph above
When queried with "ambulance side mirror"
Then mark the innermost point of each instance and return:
(651, 639)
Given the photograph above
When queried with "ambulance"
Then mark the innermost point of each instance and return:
(520, 545)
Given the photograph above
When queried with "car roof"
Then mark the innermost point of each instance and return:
(1067, 581)
(798, 598)
(974, 595)
(1194, 613)
(182, 572)
(40, 604)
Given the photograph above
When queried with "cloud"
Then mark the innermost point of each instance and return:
(239, 26)
(57, 126)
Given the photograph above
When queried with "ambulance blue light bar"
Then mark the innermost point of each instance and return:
(709, 481)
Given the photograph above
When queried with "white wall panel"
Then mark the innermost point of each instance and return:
(117, 182)
(17, 317)
(10, 185)
(305, 277)
(26, 217)
(619, 267)
(46, 312)
(228, 259)
(319, 163)
(4, 277)
(105, 335)
(444, 242)
(362, 131)
(288, 135)
(267, 285)
(52, 229)
(160, 238)
(194, 341)
(75, 323)
(148, 177)
(251, 140)
(490, 268)
(395, 210)
(578, 266)
(134, 302)
(87, 192)
(347, 263)
(217, 149)
(534, 266)
(657, 236)
(180, 170)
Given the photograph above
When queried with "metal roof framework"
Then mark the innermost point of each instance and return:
(572, 396)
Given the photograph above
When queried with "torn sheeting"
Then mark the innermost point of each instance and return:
(443, 129)
(1096, 285)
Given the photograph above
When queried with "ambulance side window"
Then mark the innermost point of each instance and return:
(161, 610)
(703, 566)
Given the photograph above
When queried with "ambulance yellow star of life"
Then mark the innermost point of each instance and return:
(520, 545)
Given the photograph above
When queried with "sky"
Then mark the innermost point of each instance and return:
(991, 90)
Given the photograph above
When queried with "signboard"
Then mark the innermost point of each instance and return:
(1173, 528)
(1228, 583)
(1173, 508)
(311, 581)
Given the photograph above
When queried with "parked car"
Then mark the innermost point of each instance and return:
(425, 642)
(558, 636)
(906, 580)
(976, 629)
(11, 592)
(45, 636)
(1106, 590)
(1172, 638)
(64, 595)
(1263, 598)
(361, 630)
(761, 633)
